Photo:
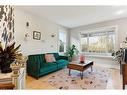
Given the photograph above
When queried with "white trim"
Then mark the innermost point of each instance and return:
(98, 29)
(57, 38)
(99, 56)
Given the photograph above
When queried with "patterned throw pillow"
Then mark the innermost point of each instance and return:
(50, 58)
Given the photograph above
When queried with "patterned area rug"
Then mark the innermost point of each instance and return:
(91, 80)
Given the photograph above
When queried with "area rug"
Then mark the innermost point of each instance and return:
(91, 80)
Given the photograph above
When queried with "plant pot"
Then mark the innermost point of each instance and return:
(75, 58)
(6, 69)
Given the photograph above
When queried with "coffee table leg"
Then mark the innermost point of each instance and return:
(82, 75)
(69, 72)
(91, 69)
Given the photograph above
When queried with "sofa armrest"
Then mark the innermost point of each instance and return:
(63, 57)
(33, 66)
(33, 69)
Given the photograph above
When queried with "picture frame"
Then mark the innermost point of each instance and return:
(36, 35)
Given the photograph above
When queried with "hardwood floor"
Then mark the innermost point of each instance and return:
(32, 83)
(114, 81)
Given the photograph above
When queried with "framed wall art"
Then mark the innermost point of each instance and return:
(36, 35)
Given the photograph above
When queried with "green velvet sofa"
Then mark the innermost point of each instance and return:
(37, 66)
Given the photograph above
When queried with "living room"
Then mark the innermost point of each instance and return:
(45, 31)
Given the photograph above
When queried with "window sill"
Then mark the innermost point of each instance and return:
(101, 56)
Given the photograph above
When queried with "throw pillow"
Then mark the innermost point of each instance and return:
(50, 58)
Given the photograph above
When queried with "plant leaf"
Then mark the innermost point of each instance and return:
(14, 50)
(1, 48)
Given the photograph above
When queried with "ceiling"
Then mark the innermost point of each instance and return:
(74, 16)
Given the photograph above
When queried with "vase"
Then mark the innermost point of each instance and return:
(5, 68)
(82, 59)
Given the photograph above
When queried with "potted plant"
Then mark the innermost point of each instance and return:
(8, 56)
(71, 52)
(118, 55)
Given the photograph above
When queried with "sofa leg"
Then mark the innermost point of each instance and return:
(37, 78)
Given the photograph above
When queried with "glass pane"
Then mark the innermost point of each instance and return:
(97, 44)
(62, 41)
(84, 44)
(61, 46)
(111, 43)
(62, 36)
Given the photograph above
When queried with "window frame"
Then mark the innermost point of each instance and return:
(114, 28)
(65, 44)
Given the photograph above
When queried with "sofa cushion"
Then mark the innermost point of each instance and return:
(56, 55)
(37, 59)
(42, 60)
(61, 63)
(47, 67)
(49, 64)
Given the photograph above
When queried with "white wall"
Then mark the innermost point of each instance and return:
(36, 23)
(121, 32)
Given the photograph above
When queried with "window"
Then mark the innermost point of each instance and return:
(62, 41)
(98, 42)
